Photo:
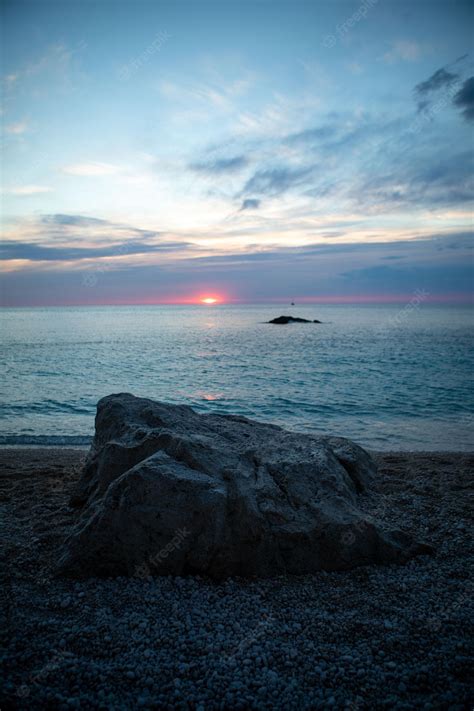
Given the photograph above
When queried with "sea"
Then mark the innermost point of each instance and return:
(390, 377)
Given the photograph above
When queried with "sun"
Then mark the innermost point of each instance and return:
(209, 300)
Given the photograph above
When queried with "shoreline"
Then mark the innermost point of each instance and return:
(370, 450)
(372, 637)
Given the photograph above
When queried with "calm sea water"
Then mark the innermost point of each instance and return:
(390, 377)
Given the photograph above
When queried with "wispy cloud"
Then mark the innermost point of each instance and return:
(74, 220)
(57, 231)
(221, 165)
(218, 93)
(355, 68)
(403, 50)
(276, 181)
(31, 251)
(17, 128)
(433, 183)
(318, 134)
(87, 230)
(25, 190)
(10, 79)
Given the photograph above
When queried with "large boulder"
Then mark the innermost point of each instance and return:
(168, 491)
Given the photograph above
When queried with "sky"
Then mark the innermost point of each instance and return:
(250, 151)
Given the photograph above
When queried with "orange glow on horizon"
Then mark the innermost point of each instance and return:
(209, 300)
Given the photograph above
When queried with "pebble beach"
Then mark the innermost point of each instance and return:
(374, 637)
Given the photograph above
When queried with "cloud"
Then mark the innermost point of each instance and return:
(76, 220)
(355, 68)
(445, 180)
(328, 271)
(72, 238)
(17, 128)
(221, 165)
(250, 204)
(218, 94)
(434, 279)
(464, 99)
(25, 190)
(310, 135)
(56, 63)
(426, 90)
(449, 180)
(404, 50)
(341, 133)
(63, 226)
(276, 181)
(364, 162)
(92, 169)
(438, 80)
(11, 250)
(82, 230)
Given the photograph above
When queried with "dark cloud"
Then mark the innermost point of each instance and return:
(311, 270)
(436, 81)
(250, 204)
(60, 227)
(441, 79)
(276, 181)
(221, 165)
(36, 252)
(464, 99)
(458, 241)
(434, 279)
(415, 249)
(74, 220)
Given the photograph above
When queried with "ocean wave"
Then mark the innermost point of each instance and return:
(45, 440)
(45, 407)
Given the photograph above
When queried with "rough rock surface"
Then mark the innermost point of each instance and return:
(283, 320)
(169, 491)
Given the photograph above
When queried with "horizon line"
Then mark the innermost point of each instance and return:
(419, 295)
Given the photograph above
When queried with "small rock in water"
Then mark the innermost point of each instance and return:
(283, 320)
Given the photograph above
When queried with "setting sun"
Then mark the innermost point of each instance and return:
(209, 300)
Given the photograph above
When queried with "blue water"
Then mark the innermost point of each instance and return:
(390, 377)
